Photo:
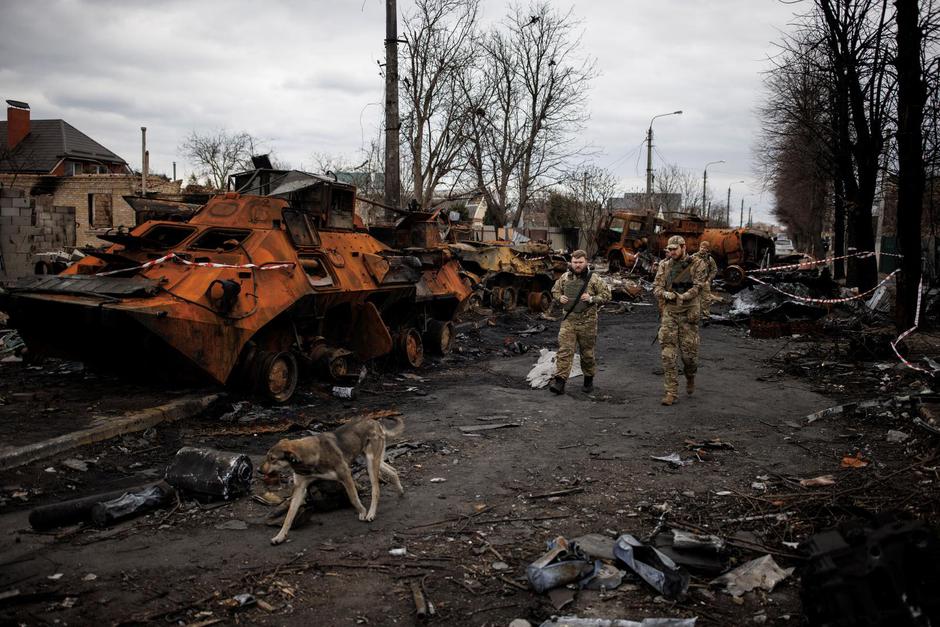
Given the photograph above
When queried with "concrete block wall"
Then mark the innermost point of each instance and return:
(72, 192)
(29, 226)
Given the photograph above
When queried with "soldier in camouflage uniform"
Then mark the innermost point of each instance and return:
(705, 298)
(677, 286)
(579, 291)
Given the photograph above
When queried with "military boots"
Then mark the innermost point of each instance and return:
(588, 384)
(669, 399)
(557, 386)
(689, 384)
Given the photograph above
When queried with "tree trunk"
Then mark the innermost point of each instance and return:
(838, 229)
(912, 95)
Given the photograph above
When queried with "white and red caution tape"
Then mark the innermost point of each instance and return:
(272, 265)
(894, 344)
(803, 265)
(825, 301)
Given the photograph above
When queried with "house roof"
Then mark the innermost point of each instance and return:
(50, 141)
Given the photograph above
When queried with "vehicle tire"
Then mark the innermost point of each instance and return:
(410, 348)
(276, 376)
(734, 276)
(539, 302)
(507, 300)
(439, 338)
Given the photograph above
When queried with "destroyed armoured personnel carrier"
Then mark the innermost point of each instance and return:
(249, 291)
(636, 241)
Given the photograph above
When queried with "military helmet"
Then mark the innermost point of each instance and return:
(675, 240)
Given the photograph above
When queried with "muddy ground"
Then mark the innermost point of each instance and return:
(478, 507)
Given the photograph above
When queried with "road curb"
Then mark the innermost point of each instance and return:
(106, 429)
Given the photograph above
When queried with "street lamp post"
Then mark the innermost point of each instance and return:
(705, 181)
(741, 222)
(728, 207)
(649, 157)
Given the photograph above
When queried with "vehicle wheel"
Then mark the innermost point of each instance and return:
(496, 297)
(507, 300)
(439, 337)
(276, 376)
(539, 302)
(615, 263)
(411, 348)
(734, 276)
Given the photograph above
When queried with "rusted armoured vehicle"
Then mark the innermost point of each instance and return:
(247, 291)
(511, 274)
(629, 240)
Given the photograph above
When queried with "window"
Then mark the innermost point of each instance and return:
(342, 205)
(301, 232)
(220, 239)
(165, 236)
(99, 211)
(617, 224)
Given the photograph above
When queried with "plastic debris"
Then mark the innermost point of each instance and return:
(132, 504)
(604, 577)
(75, 464)
(544, 369)
(762, 572)
(673, 459)
(562, 564)
(701, 553)
(210, 472)
(596, 545)
(574, 621)
(73, 511)
(344, 392)
(399, 552)
(653, 566)
(896, 436)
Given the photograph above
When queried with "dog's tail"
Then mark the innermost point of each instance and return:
(398, 429)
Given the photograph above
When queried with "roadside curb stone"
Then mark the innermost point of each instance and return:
(105, 429)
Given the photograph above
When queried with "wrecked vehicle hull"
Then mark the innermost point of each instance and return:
(631, 241)
(246, 292)
(511, 275)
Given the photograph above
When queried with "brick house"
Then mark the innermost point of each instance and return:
(59, 188)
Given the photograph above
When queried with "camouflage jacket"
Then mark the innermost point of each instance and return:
(569, 284)
(711, 265)
(685, 277)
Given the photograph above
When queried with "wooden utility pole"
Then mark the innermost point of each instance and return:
(392, 124)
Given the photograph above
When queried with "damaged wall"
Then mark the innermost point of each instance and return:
(96, 199)
(29, 226)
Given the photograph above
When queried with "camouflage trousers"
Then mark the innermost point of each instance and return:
(581, 330)
(705, 301)
(678, 333)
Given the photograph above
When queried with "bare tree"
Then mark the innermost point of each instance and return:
(528, 94)
(912, 97)
(795, 152)
(671, 179)
(593, 187)
(440, 38)
(218, 155)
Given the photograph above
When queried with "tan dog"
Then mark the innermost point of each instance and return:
(328, 456)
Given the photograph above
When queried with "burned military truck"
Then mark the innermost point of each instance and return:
(249, 291)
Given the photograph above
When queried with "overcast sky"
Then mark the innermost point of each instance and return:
(304, 76)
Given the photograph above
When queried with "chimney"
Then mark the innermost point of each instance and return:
(17, 122)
